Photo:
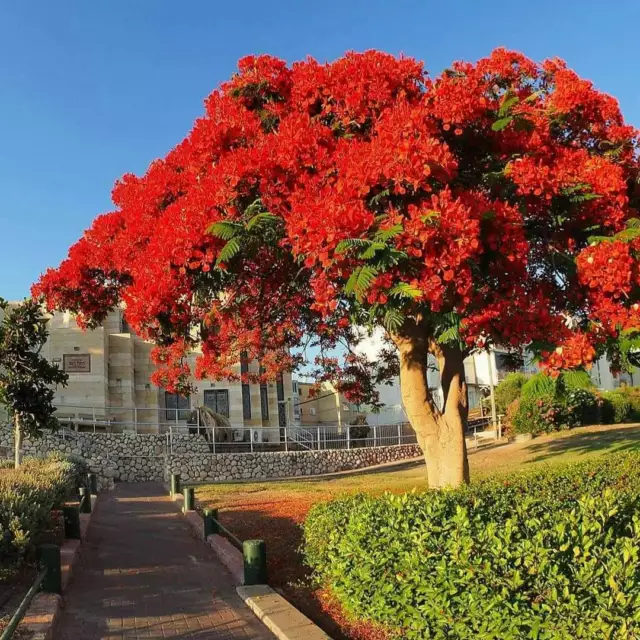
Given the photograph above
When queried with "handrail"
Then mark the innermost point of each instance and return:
(237, 542)
(24, 605)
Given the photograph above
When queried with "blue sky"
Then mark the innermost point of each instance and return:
(91, 90)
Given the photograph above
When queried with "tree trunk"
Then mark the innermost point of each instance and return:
(440, 433)
(17, 442)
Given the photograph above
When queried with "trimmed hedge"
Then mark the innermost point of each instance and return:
(550, 554)
(27, 496)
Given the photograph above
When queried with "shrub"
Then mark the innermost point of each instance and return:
(616, 407)
(550, 554)
(583, 405)
(512, 410)
(633, 395)
(541, 414)
(27, 495)
(509, 390)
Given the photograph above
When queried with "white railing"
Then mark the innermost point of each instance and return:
(243, 438)
(250, 439)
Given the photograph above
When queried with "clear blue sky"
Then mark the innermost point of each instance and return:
(92, 89)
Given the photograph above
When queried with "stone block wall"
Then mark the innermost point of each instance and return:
(127, 457)
(280, 464)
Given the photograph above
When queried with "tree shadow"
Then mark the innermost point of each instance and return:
(288, 574)
(612, 440)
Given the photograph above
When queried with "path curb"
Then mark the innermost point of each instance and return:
(278, 615)
(44, 611)
(272, 609)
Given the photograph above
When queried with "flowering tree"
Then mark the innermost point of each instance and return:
(492, 205)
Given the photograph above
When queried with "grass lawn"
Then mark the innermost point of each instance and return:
(274, 510)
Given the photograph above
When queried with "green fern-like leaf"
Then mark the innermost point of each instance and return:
(372, 249)
(352, 243)
(379, 196)
(393, 320)
(507, 104)
(538, 385)
(228, 251)
(576, 379)
(405, 290)
(383, 235)
(224, 230)
(365, 278)
(261, 220)
(452, 334)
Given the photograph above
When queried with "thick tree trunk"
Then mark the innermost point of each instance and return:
(440, 432)
(17, 442)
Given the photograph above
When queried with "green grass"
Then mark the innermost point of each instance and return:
(571, 446)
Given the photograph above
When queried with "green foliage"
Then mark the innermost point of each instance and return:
(632, 394)
(584, 405)
(616, 407)
(539, 385)
(542, 414)
(548, 555)
(27, 495)
(27, 379)
(509, 390)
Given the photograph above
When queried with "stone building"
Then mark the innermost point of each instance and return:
(110, 389)
(326, 406)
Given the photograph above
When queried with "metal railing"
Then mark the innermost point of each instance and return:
(254, 552)
(49, 577)
(252, 439)
(10, 629)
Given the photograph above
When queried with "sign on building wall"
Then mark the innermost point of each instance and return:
(77, 363)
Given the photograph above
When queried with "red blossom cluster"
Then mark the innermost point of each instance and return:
(364, 188)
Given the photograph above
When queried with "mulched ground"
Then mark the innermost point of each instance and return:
(277, 519)
(17, 579)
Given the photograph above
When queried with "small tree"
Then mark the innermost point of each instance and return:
(26, 378)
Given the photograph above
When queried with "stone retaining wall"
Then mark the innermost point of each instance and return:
(280, 464)
(145, 457)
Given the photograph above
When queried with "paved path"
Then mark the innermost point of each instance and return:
(143, 575)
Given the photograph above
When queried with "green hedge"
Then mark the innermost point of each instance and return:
(27, 495)
(551, 555)
(616, 407)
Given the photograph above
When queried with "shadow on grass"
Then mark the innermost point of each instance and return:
(288, 574)
(585, 443)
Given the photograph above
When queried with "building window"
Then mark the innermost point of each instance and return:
(264, 401)
(246, 402)
(175, 403)
(217, 400)
(246, 391)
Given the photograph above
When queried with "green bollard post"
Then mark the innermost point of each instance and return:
(93, 483)
(175, 484)
(71, 522)
(49, 559)
(255, 562)
(85, 500)
(210, 522)
(189, 499)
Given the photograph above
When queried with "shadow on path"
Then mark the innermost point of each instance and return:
(143, 575)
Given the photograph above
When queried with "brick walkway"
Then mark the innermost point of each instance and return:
(143, 575)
